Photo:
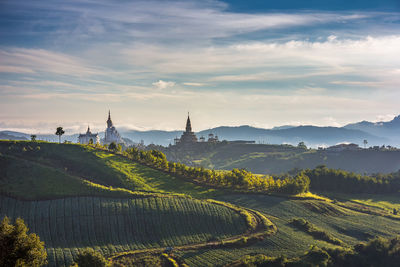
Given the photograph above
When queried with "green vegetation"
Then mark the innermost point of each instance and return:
(239, 180)
(351, 227)
(325, 179)
(146, 260)
(18, 248)
(275, 159)
(314, 231)
(57, 170)
(377, 252)
(90, 258)
(131, 206)
(60, 131)
(115, 225)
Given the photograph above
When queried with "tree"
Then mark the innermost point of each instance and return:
(112, 146)
(17, 248)
(365, 143)
(91, 258)
(59, 132)
(33, 137)
(302, 145)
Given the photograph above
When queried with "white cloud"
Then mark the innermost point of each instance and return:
(161, 85)
(194, 84)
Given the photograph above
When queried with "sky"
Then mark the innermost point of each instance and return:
(259, 63)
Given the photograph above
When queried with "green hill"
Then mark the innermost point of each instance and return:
(344, 224)
(275, 159)
(33, 170)
(110, 225)
(77, 196)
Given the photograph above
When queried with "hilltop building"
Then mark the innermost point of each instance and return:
(188, 137)
(88, 137)
(111, 134)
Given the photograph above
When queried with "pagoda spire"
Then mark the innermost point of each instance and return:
(109, 121)
(188, 125)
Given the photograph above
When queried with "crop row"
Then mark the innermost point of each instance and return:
(114, 225)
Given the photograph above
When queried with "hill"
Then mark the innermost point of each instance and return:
(376, 133)
(311, 135)
(387, 129)
(72, 165)
(275, 159)
(112, 225)
(77, 196)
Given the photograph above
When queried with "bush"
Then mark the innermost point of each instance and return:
(91, 258)
(17, 248)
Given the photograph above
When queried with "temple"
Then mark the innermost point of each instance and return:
(111, 134)
(188, 137)
(88, 138)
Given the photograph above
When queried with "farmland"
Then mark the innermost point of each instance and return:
(109, 225)
(349, 226)
(76, 197)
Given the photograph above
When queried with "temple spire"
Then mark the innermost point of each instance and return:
(188, 125)
(109, 121)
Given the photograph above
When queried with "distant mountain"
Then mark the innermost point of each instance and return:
(7, 136)
(45, 137)
(388, 129)
(152, 137)
(378, 133)
(283, 127)
(311, 135)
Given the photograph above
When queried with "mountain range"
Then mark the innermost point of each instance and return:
(376, 133)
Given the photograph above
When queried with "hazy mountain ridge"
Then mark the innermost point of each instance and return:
(378, 133)
(388, 129)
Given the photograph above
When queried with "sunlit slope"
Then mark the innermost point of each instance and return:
(114, 225)
(63, 167)
(349, 226)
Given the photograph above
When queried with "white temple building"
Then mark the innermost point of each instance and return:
(88, 137)
(111, 134)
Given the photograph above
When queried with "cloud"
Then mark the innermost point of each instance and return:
(161, 85)
(15, 69)
(194, 84)
(173, 20)
(25, 60)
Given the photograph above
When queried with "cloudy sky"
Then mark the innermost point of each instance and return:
(228, 63)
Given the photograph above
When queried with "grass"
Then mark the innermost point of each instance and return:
(349, 226)
(275, 159)
(56, 168)
(386, 202)
(314, 231)
(111, 225)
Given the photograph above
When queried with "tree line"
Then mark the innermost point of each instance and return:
(326, 179)
(320, 178)
(237, 179)
(375, 253)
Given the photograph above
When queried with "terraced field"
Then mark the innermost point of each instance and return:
(349, 226)
(114, 225)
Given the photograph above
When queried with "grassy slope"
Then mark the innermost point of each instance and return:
(51, 165)
(112, 225)
(67, 165)
(386, 203)
(260, 158)
(346, 225)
